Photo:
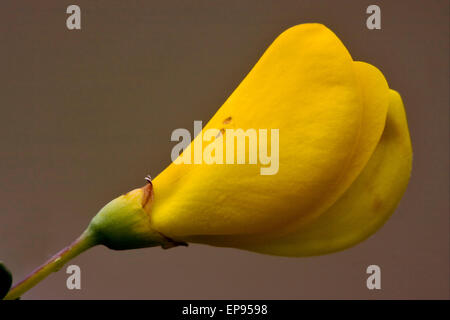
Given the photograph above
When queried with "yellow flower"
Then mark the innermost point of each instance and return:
(344, 161)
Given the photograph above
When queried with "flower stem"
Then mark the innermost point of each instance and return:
(84, 242)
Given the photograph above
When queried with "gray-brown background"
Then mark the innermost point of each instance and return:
(86, 114)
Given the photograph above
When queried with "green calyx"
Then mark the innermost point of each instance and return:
(124, 223)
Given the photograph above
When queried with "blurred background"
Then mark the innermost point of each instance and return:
(86, 114)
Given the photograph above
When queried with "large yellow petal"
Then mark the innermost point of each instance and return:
(305, 86)
(366, 205)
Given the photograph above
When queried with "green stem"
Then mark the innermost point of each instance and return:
(84, 242)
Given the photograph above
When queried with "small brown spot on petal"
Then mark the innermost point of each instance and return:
(227, 120)
(377, 203)
(222, 132)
